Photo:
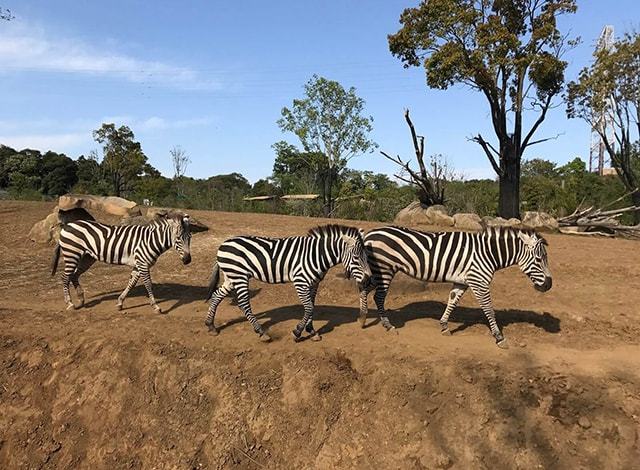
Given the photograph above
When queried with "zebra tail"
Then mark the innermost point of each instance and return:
(213, 284)
(54, 260)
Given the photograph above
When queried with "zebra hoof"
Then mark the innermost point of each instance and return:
(119, 307)
(316, 337)
(213, 330)
(157, 309)
(503, 344)
(70, 306)
(445, 332)
(297, 337)
(265, 338)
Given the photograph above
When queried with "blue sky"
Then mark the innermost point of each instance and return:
(213, 76)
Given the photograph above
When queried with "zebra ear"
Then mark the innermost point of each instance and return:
(361, 231)
(526, 238)
(350, 241)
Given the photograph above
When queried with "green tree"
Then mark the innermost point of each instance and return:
(611, 87)
(59, 174)
(509, 50)
(298, 172)
(329, 121)
(123, 161)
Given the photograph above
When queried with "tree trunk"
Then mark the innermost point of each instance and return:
(509, 198)
(328, 202)
(635, 197)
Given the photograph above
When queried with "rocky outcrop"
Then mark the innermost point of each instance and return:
(468, 222)
(48, 229)
(107, 204)
(540, 221)
(415, 214)
(500, 222)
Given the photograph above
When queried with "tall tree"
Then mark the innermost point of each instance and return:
(329, 120)
(123, 160)
(180, 161)
(509, 50)
(611, 87)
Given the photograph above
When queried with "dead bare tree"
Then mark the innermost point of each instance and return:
(180, 161)
(430, 180)
(597, 221)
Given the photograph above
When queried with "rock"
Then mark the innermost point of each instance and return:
(468, 222)
(584, 422)
(108, 204)
(500, 222)
(47, 229)
(540, 221)
(437, 215)
(417, 214)
(404, 217)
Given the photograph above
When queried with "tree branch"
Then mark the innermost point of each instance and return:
(487, 149)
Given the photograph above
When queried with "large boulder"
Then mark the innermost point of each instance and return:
(540, 221)
(500, 222)
(417, 214)
(468, 222)
(107, 204)
(406, 215)
(437, 215)
(48, 229)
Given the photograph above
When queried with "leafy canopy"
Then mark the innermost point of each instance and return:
(329, 120)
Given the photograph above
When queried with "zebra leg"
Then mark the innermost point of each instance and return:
(85, 263)
(455, 295)
(135, 275)
(309, 326)
(70, 266)
(146, 278)
(307, 295)
(242, 294)
(217, 297)
(483, 296)
(364, 308)
(379, 297)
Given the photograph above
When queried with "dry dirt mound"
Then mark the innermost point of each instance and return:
(98, 388)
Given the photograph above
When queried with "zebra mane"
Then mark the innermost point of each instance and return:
(334, 229)
(502, 231)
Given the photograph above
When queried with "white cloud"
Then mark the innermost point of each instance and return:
(477, 173)
(76, 135)
(27, 48)
(63, 142)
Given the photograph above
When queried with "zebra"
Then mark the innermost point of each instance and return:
(303, 260)
(467, 259)
(83, 242)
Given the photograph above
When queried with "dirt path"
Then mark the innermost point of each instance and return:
(98, 388)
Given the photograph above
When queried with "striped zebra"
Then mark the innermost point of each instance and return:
(467, 259)
(302, 260)
(83, 242)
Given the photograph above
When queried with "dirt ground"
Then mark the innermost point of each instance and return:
(103, 389)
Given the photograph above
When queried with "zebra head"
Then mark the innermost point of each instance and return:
(533, 260)
(181, 235)
(354, 256)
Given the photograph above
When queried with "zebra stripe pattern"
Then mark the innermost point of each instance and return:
(467, 259)
(84, 242)
(304, 261)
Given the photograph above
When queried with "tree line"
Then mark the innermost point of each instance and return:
(511, 52)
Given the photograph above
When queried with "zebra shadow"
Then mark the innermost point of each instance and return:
(165, 293)
(332, 316)
(465, 317)
(462, 318)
